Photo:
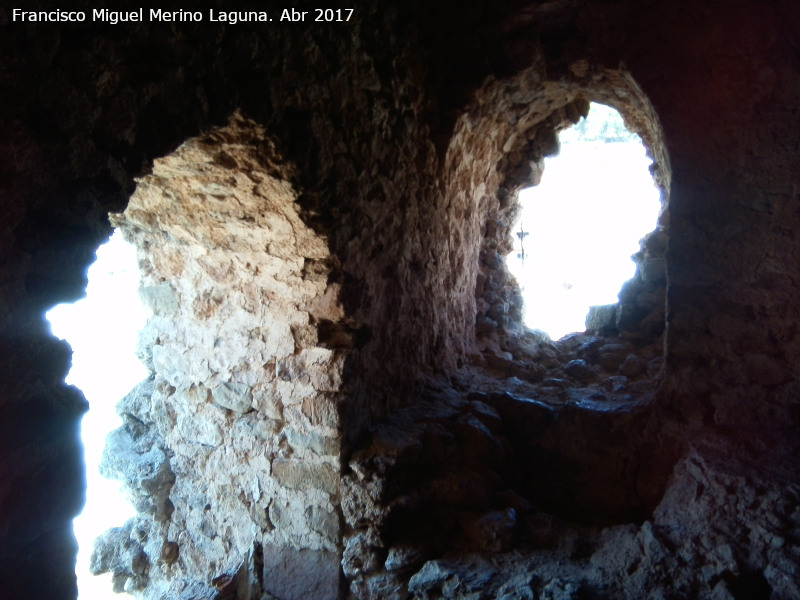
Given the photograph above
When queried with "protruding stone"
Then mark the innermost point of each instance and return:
(119, 552)
(321, 410)
(602, 320)
(632, 366)
(316, 443)
(233, 396)
(161, 299)
(360, 555)
(401, 558)
(495, 531)
(324, 521)
(611, 356)
(560, 589)
(616, 383)
(169, 552)
(579, 370)
(451, 577)
(299, 475)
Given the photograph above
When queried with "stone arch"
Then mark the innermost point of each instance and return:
(512, 125)
(508, 445)
(368, 115)
(250, 338)
(520, 120)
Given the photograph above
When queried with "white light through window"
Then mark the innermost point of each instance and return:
(102, 330)
(596, 200)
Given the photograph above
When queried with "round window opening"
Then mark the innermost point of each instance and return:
(580, 228)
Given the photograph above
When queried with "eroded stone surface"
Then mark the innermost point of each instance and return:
(215, 444)
(376, 193)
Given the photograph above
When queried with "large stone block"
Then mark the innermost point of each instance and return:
(161, 299)
(602, 319)
(291, 574)
(316, 443)
(321, 410)
(298, 475)
(233, 396)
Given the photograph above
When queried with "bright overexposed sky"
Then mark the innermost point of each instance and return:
(595, 202)
(102, 330)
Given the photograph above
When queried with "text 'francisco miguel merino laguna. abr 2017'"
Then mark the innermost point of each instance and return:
(114, 17)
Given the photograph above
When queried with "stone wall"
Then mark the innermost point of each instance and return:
(231, 446)
(371, 349)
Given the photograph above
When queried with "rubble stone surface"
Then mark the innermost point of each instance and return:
(343, 401)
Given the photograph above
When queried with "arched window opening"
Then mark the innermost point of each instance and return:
(102, 330)
(580, 226)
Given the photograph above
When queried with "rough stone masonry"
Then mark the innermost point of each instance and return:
(342, 400)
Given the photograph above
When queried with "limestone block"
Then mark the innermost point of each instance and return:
(315, 367)
(559, 589)
(233, 396)
(362, 500)
(361, 555)
(172, 365)
(628, 316)
(579, 370)
(255, 426)
(532, 372)
(450, 578)
(278, 337)
(602, 319)
(321, 410)
(299, 475)
(611, 356)
(142, 464)
(161, 299)
(202, 427)
(401, 558)
(379, 587)
(292, 392)
(260, 517)
(267, 400)
(137, 402)
(324, 521)
(653, 269)
(120, 552)
(146, 339)
(487, 415)
(632, 366)
(495, 531)
(192, 396)
(316, 443)
(286, 515)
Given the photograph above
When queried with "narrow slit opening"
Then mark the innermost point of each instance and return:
(102, 329)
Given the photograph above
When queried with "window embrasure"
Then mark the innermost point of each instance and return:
(580, 226)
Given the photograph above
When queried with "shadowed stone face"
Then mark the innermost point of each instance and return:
(343, 402)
